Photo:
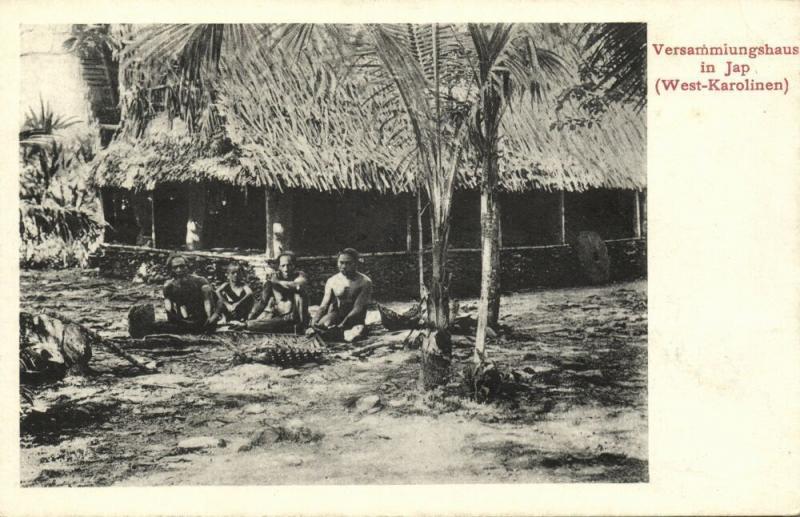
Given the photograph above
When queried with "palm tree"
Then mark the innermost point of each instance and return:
(97, 46)
(413, 57)
(511, 64)
(402, 68)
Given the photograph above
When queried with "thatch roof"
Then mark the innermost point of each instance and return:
(292, 121)
(544, 153)
(609, 154)
(163, 155)
(92, 44)
(289, 131)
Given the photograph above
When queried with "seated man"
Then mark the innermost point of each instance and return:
(283, 297)
(234, 297)
(187, 299)
(347, 295)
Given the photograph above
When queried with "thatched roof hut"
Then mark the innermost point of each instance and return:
(285, 134)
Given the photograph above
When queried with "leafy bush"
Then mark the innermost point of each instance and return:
(58, 220)
(56, 237)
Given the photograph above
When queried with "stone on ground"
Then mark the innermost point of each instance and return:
(201, 442)
(254, 409)
(369, 404)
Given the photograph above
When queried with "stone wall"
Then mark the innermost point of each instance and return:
(394, 275)
(148, 265)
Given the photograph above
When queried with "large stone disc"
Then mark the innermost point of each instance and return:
(593, 257)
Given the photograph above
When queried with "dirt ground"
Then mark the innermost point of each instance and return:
(580, 416)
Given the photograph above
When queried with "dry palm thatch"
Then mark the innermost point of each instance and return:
(345, 131)
(607, 152)
(299, 121)
(164, 155)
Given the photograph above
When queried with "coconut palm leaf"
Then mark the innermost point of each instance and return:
(298, 116)
(618, 52)
(195, 49)
(44, 121)
(173, 67)
(38, 221)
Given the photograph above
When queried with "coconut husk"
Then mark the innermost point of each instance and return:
(141, 318)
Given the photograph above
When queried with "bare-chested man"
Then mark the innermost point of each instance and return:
(188, 302)
(347, 295)
(283, 297)
(234, 297)
(187, 299)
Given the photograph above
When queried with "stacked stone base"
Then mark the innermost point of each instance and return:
(395, 275)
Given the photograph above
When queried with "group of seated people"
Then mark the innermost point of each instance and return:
(192, 305)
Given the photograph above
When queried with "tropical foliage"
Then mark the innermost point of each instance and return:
(173, 68)
(58, 220)
(616, 60)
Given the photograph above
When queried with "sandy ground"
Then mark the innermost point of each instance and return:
(581, 416)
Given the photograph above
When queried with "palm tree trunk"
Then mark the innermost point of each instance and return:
(488, 257)
(420, 245)
(493, 309)
(439, 298)
(101, 213)
(489, 304)
(437, 347)
(110, 73)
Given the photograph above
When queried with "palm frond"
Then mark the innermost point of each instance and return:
(618, 52)
(45, 121)
(181, 62)
(38, 221)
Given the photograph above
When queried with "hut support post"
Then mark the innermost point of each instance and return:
(409, 226)
(101, 211)
(562, 237)
(279, 210)
(197, 216)
(268, 223)
(153, 218)
(420, 245)
(644, 213)
(499, 225)
(637, 222)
